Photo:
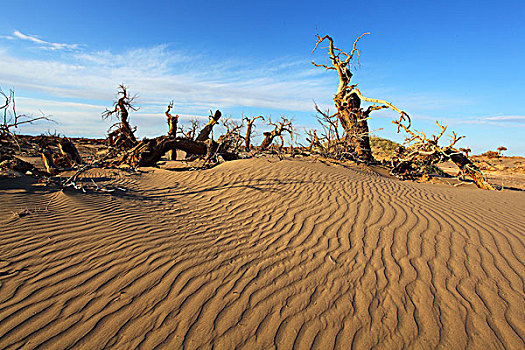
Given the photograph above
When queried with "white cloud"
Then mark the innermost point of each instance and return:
(75, 86)
(159, 75)
(510, 118)
(506, 121)
(44, 44)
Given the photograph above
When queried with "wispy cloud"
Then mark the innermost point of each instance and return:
(74, 85)
(160, 74)
(501, 120)
(42, 43)
(510, 118)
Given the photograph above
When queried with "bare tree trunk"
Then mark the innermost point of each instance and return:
(355, 124)
(124, 119)
(205, 132)
(68, 149)
(172, 132)
(123, 136)
(47, 157)
(284, 125)
(249, 129)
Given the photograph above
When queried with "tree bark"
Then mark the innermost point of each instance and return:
(68, 149)
(172, 131)
(149, 151)
(205, 132)
(249, 128)
(355, 124)
(47, 158)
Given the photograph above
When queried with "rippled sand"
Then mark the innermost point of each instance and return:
(261, 254)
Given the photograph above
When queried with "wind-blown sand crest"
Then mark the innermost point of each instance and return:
(261, 254)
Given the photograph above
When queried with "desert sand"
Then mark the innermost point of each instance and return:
(261, 254)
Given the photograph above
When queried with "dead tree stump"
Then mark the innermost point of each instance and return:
(68, 149)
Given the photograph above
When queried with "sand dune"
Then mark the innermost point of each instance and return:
(261, 254)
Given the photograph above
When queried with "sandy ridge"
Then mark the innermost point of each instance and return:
(262, 254)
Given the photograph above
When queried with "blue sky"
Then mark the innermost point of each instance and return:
(458, 62)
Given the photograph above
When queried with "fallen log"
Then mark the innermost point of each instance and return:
(423, 153)
(468, 168)
(21, 166)
(149, 151)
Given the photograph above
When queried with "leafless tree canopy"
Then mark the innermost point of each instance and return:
(350, 115)
(284, 125)
(11, 119)
(123, 137)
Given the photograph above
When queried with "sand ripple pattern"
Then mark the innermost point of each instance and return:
(259, 254)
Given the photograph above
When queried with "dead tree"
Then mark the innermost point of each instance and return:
(192, 129)
(172, 131)
(172, 121)
(11, 119)
(283, 125)
(465, 150)
(333, 146)
(67, 149)
(422, 153)
(249, 131)
(49, 163)
(352, 117)
(232, 135)
(313, 139)
(149, 151)
(227, 145)
(206, 131)
(123, 137)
